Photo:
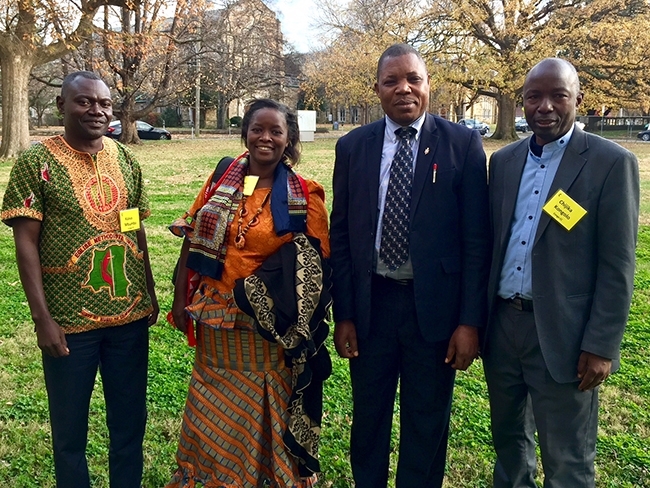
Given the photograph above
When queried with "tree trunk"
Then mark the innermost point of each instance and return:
(15, 103)
(505, 130)
(222, 112)
(129, 133)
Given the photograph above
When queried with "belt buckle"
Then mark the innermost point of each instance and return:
(517, 303)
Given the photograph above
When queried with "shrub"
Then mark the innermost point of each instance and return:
(171, 117)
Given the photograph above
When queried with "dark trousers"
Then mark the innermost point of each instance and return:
(395, 350)
(524, 398)
(121, 354)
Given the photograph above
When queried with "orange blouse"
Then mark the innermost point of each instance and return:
(212, 303)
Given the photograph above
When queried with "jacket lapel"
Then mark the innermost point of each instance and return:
(372, 159)
(514, 167)
(570, 166)
(426, 150)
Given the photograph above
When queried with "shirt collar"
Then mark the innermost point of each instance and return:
(560, 143)
(392, 126)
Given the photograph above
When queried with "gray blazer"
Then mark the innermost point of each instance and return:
(583, 278)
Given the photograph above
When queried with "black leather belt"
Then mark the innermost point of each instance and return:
(522, 304)
(400, 282)
(404, 282)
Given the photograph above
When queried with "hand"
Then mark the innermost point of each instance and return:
(153, 318)
(345, 339)
(51, 339)
(463, 347)
(180, 315)
(592, 370)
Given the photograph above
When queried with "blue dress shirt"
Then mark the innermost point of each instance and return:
(539, 172)
(405, 271)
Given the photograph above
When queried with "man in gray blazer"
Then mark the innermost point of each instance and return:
(560, 283)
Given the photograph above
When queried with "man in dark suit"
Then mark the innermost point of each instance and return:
(410, 259)
(560, 283)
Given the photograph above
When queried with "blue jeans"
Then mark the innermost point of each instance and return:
(121, 354)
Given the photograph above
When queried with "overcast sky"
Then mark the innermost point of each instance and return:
(297, 19)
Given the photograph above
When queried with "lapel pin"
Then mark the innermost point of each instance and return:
(426, 151)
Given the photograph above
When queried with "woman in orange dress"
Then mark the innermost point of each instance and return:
(238, 411)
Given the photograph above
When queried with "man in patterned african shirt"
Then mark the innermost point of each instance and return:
(75, 203)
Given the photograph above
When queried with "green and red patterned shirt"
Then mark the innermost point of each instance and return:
(93, 274)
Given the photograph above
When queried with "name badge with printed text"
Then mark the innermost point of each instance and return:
(129, 219)
(564, 210)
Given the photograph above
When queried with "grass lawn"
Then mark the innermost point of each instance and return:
(174, 172)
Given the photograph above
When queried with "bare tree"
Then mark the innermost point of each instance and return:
(344, 73)
(32, 33)
(241, 54)
(489, 45)
(138, 49)
(44, 85)
(607, 42)
(479, 48)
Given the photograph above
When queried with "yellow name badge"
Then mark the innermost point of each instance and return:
(564, 209)
(129, 219)
(250, 182)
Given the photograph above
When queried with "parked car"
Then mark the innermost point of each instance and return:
(644, 135)
(145, 131)
(482, 127)
(521, 125)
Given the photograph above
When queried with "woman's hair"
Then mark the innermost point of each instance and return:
(292, 151)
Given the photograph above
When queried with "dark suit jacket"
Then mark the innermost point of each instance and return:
(583, 278)
(449, 235)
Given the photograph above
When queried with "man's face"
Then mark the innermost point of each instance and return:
(551, 98)
(403, 88)
(87, 109)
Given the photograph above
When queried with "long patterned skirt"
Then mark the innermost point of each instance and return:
(235, 415)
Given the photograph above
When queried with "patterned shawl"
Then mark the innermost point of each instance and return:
(208, 244)
(288, 296)
(208, 230)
